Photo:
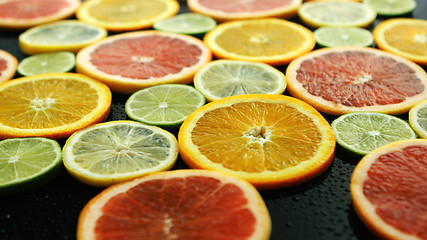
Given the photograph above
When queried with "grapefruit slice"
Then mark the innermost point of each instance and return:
(180, 204)
(347, 79)
(131, 61)
(8, 65)
(389, 189)
(22, 14)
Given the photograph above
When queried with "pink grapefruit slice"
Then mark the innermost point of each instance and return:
(8, 65)
(346, 79)
(131, 61)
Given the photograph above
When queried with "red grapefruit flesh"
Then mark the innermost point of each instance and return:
(346, 79)
(8, 65)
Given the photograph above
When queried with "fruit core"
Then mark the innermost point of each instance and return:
(42, 104)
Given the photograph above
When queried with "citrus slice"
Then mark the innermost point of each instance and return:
(227, 10)
(22, 14)
(343, 36)
(107, 153)
(186, 23)
(8, 65)
(270, 140)
(52, 62)
(346, 79)
(363, 132)
(126, 15)
(131, 61)
(336, 14)
(27, 163)
(52, 105)
(272, 41)
(64, 35)
(404, 37)
(392, 7)
(224, 78)
(165, 105)
(388, 189)
(418, 118)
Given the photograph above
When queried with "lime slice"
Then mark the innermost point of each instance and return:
(53, 62)
(186, 23)
(165, 105)
(362, 132)
(222, 78)
(392, 7)
(111, 152)
(343, 36)
(418, 118)
(27, 163)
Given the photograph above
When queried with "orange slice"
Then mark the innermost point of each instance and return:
(126, 15)
(8, 65)
(131, 61)
(22, 14)
(389, 189)
(347, 79)
(227, 10)
(270, 140)
(52, 105)
(180, 204)
(404, 37)
(272, 41)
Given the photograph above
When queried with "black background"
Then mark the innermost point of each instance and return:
(318, 209)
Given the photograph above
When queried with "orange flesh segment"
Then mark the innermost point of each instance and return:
(244, 6)
(31, 9)
(408, 38)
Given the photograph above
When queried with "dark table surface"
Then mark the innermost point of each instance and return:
(318, 209)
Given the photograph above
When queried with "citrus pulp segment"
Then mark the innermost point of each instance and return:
(230, 10)
(23, 14)
(418, 118)
(27, 163)
(165, 105)
(111, 152)
(272, 41)
(363, 132)
(223, 78)
(404, 37)
(51, 105)
(336, 14)
(343, 36)
(270, 140)
(8, 65)
(182, 204)
(64, 35)
(52, 62)
(339, 80)
(388, 189)
(392, 7)
(126, 15)
(186, 23)
(131, 61)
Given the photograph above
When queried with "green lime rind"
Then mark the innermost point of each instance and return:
(392, 7)
(51, 62)
(362, 132)
(343, 36)
(186, 23)
(27, 164)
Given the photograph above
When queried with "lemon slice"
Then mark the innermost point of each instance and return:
(392, 7)
(53, 62)
(418, 118)
(343, 36)
(186, 23)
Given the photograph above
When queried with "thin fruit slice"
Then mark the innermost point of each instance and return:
(186, 23)
(22, 14)
(111, 152)
(51, 105)
(347, 79)
(270, 140)
(343, 36)
(53, 62)
(131, 61)
(126, 15)
(272, 41)
(65, 35)
(404, 37)
(27, 163)
(179, 204)
(165, 105)
(418, 118)
(389, 189)
(228, 10)
(8, 65)
(224, 78)
(363, 132)
(392, 7)
(336, 14)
